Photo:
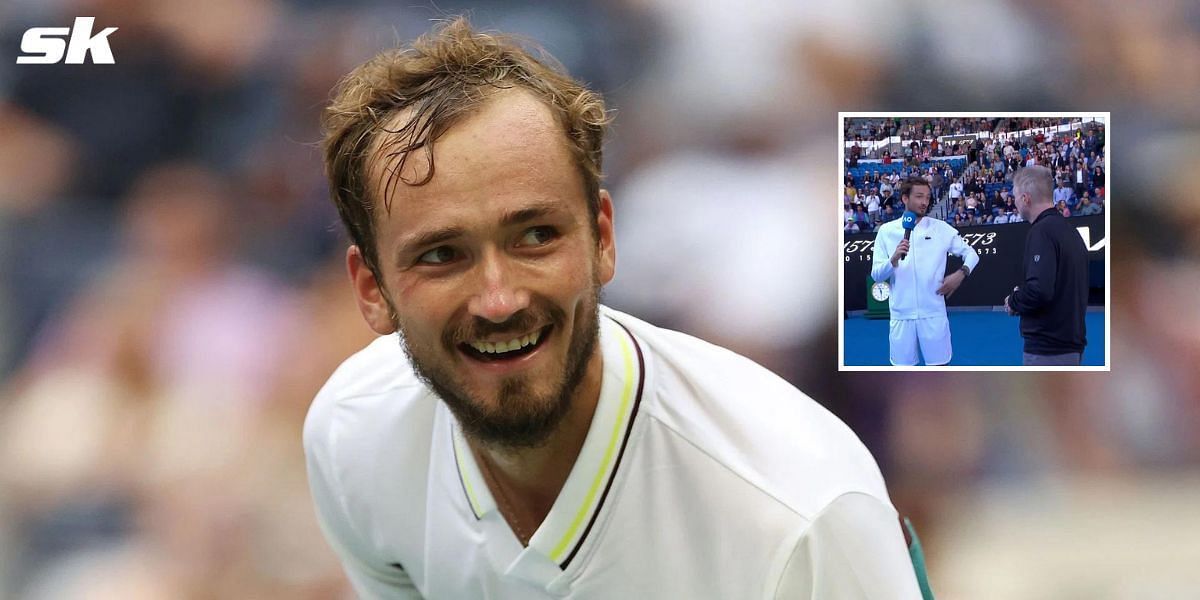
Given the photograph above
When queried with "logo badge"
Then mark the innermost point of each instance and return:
(1037, 257)
(45, 46)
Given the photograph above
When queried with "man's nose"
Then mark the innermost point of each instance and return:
(500, 295)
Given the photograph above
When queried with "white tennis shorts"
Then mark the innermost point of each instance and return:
(932, 335)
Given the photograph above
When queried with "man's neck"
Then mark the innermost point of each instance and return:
(527, 481)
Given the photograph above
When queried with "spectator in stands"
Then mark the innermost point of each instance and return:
(935, 181)
(1096, 177)
(956, 191)
(1090, 142)
(973, 186)
(889, 214)
(1000, 218)
(891, 199)
(885, 188)
(1086, 207)
(972, 203)
(862, 219)
(1064, 194)
(961, 218)
(1079, 178)
(847, 212)
(873, 202)
(1062, 208)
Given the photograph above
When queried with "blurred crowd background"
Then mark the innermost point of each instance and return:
(172, 295)
(968, 164)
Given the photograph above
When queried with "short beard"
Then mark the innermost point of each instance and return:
(522, 422)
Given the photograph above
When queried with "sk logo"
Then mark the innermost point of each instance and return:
(43, 46)
(1037, 257)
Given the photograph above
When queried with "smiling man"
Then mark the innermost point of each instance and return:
(508, 436)
(915, 267)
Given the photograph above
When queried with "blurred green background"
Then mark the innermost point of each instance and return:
(172, 295)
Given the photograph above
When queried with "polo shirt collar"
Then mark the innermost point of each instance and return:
(1046, 213)
(574, 512)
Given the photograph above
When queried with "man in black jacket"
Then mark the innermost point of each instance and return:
(1053, 299)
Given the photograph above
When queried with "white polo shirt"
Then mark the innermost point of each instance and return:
(916, 279)
(702, 475)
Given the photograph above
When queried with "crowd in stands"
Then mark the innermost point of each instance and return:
(971, 180)
(926, 128)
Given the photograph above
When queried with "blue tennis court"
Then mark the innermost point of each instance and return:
(981, 338)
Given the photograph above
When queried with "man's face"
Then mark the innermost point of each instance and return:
(492, 271)
(917, 199)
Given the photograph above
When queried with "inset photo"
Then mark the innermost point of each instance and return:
(974, 241)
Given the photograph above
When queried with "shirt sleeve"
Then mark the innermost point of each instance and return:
(881, 256)
(372, 579)
(853, 550)
(960, 248)
(1041, 262)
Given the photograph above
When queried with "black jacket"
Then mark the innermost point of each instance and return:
(1053, 298)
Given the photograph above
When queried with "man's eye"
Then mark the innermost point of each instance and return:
(537, 236)
(438, 256)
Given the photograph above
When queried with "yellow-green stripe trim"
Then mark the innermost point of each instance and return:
(462, 474)
(618, 427)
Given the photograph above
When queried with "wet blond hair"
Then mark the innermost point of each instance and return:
(437, 80)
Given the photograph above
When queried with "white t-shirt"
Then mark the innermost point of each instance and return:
(703, 475)
(956, 189)
(873, 203)
(915, 279)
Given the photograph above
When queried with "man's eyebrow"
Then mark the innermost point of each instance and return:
(529, 213)
(429, 238)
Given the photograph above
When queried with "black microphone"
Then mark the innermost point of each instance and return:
(908, 222)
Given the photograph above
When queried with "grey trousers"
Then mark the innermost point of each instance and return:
(1070, 359)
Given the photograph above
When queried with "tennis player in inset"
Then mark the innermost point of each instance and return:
(912, 260)
(507, 436)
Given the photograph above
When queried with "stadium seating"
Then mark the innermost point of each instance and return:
(864, 169)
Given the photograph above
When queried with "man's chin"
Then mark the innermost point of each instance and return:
(516, 419)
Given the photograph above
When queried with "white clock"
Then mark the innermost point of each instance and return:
(881, 291)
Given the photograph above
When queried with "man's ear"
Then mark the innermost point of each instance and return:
(607, 242)
(369, 294)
